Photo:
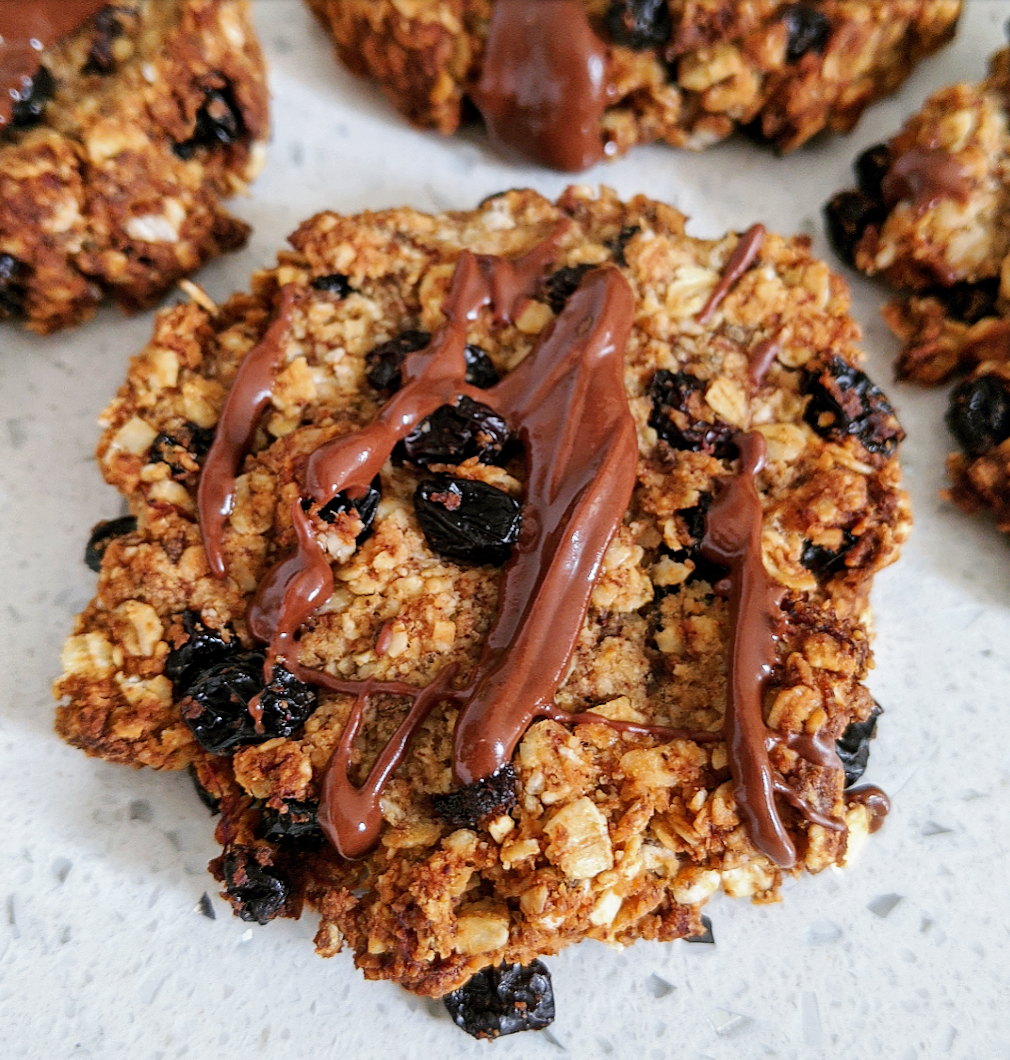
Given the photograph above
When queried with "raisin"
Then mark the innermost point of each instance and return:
(202, 649)
(101, 59)
(182, 450)
(871, 168)
(970, 302)
(624, 237)
(489, 796)
(561, 285)
(808, 31)
(218, 122)
(469, 521)
(825, 561)
(383, 363)
(844, 402)
(454, 433)
(706, 937)
(212, 802)
(30, 103)
(639, 24)
(853, 746)
(257, 892)
(102, 535)
(216, 705)
(296, 821)
(336, 284)
(365, 506)
(848, 215)
(677, 408)
(504, 1000)
(13, 290)
(979, 414)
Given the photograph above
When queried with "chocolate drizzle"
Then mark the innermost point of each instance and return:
(543, 86)
(925, 176)
(567, 404)
(27, 28)
(747, 249)
(875, 800)
(760, 360)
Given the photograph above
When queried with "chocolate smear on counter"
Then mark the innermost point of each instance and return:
(875, 800)
(760, 360)
(247, 400)
(747, 249)
(732, 538)
(27, 28)
(925, 176)
(543, 87)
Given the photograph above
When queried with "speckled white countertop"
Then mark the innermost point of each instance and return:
(103, 950)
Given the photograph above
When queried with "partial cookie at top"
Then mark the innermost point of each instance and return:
(117, 156)
(637, 71)
(614, 811)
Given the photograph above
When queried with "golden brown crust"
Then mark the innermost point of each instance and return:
(725, 65)
(615, 836)
(96, 202)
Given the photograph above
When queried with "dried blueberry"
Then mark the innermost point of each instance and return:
(707, 937)
(382, 364)
(808, 29)
(844, 402)
(480, 371)
(561, 285)
(487, 797)
(504, 1000)
(853, 746)
(970, 302)
(216, 707)
(454, 433)
(979, 414)
(624, 237)
(639, 24)
(13, 277)
(469, 521)
(366, 506)
(705, 570)
(824, 561)
(183, 449)
(107, 27)
(677, 408)
(202, 649)
(212, 802)
(30, 103)
(871, 168)
(296, 821)
(218, 122)
(336, 284)
(257, 892)
(102, 535)
(848, 214)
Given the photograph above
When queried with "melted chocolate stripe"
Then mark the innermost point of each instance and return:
(27, 28)
(747, 249)
(249, 396)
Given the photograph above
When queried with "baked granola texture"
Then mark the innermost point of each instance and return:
(111, 183)
(599, 826)
(687, 72)
(929, 217)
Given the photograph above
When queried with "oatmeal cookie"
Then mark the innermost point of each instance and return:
(502, 575)
(930, 216)
(117, 144)
(569, 82)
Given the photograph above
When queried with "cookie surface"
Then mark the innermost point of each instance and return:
(618, 810)
(142, 119)
(680, 71)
